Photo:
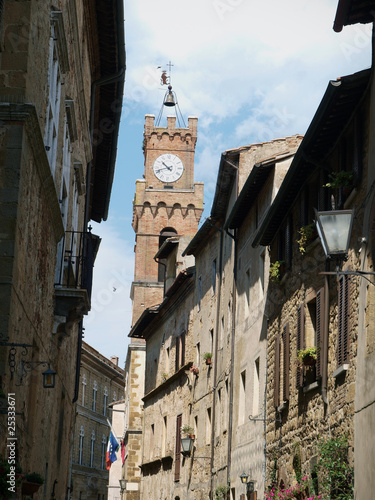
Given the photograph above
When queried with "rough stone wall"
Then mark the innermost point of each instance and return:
(32, 226)
(306, 418)
(133, 432)
(167, 396)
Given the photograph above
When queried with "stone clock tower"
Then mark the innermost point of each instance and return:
(167, 202)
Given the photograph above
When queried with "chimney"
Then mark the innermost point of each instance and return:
(114, 360)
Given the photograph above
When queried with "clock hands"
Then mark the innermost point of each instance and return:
(163, 168)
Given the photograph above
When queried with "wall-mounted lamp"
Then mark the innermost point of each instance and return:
(122, 484)
(187, 446)
(244, 477)
(48, 375)
(335, 228)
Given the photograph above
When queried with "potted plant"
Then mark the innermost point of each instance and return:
(194, 370)
(307, 233)
(277, 269)
(341, 179)
(33, 481)
(208, 358)
(188, 431)
(307, 357)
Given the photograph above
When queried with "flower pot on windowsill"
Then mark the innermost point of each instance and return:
(208, 361)
(30, 488)
(309, 360)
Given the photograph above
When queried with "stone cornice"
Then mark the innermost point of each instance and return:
(26, 113)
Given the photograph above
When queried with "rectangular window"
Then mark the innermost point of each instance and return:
(261, 272)
(212, 341)
(180, 351)
(214, 276)
(152, 438)
(242, 399)
(167, 360)
(164, 437)
(177, 461)
(219, 412)
(197, 354)
(247, 292)
(199, 292)
(208, 426)
(256, 393)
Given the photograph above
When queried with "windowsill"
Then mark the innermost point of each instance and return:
(341, 370)
(310, 387)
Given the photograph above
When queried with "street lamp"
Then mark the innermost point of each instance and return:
(334, 228)
(122, 484)
(244, 478)
(187, 446)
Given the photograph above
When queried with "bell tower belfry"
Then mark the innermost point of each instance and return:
(167, 202)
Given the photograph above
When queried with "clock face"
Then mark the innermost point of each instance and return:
(168, 167)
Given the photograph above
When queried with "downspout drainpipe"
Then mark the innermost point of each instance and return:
(234, 306)
(216, 357)
(233, 343)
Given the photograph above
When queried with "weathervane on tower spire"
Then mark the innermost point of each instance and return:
(170, 97)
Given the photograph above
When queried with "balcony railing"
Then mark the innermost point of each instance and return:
(75, 260)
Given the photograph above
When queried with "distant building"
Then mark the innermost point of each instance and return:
(101, 385)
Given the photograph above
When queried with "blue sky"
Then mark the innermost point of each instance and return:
(251, 71)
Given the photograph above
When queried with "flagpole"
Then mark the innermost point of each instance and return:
(113, 431)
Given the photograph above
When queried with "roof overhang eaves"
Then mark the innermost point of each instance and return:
(307, 157)
(201, 236)
(143, 321)
(352, 12)
(245, 200)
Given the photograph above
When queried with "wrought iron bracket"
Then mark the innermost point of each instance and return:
(277, 419)
(13, 352)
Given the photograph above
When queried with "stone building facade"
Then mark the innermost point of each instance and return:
(315, 403)
(101, 385)
(199, 316)
(60, 72)
(228, 317)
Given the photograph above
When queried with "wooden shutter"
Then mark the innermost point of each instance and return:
(286, 363)
(342, 331)
(319, 332)
(177, 462)
(276, 385)
(300, 342)
(183, 335)
(177, 360)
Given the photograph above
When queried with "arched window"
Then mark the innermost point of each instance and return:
(94, 394)
(80, 447)
(84, 382)
(92, 448)
(166, 233)
(104, 452)
(105, 401)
